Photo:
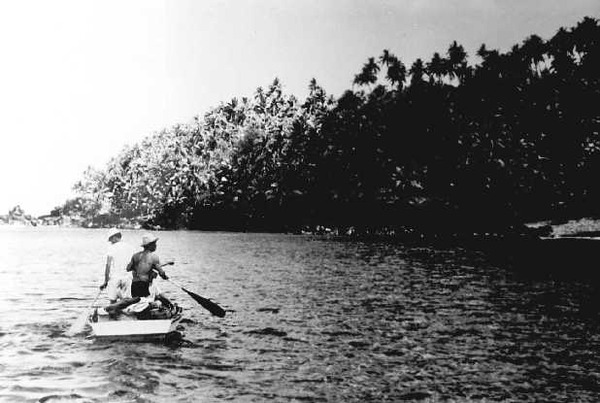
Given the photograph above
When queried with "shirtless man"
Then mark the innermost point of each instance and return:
(142, 265)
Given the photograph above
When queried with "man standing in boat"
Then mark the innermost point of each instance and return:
(116, 261)
(142, 265)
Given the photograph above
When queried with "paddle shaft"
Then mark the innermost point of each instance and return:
(174, 283)
(171, 281)
(79, 324)
(95, 299)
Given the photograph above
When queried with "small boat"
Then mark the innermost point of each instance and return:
(133, 328)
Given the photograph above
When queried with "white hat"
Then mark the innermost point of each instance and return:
(113, 231)
(148, 239)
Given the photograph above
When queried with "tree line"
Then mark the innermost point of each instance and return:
(450, 145)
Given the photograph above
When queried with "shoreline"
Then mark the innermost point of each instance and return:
(580, 227)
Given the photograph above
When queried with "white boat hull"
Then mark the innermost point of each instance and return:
(133, 329)
(143, 329)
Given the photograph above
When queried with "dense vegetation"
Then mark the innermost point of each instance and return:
(440, 147)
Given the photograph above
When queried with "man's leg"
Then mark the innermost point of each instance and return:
(113, 308)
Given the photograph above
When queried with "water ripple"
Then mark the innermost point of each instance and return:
(308, 319)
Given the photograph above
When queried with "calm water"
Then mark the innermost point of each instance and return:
(309, 319)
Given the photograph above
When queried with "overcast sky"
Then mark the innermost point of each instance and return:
(80, 79)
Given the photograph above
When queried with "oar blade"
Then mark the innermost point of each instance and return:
(207, 304)
(80, 323)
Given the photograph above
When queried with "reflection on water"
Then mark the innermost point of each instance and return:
(309, 319)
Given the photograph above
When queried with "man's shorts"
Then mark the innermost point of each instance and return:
(140, 289)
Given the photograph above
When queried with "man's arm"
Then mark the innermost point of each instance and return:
(130, 265)
(157, 266)
(161, 272)
(166, 302)
(109, 261)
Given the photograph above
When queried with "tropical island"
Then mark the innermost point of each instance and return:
(18, 217)
(454, 146)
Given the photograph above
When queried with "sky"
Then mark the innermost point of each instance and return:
(81, 79)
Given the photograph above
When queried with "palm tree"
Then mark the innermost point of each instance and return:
(396, 71)
(368, 75)
(533, 50)
(436, 68)
(491, 62)
(561, 49)
(483, 52)
(488, 56)
(457, 62)
(417, 71)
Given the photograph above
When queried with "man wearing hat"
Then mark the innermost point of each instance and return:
(117, 256)
(142, 266)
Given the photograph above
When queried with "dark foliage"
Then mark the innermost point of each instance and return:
(442, 148)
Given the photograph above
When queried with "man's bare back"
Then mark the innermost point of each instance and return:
(142, 264)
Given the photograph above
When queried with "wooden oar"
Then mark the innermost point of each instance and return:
(205, 302)
(80, 322)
